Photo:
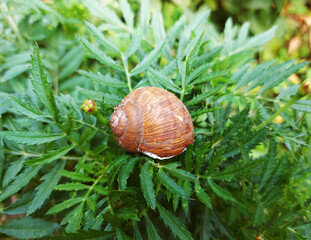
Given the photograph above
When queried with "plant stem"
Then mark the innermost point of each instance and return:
(127, 72)
(288, 104)
(92, 187)
(101, 118)
(182, 95)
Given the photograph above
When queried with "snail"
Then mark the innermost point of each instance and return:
(152, 121)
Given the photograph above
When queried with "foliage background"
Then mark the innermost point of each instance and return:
(227, 198)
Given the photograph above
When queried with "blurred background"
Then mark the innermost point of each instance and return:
(54, 24)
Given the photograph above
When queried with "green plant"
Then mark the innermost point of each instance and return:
(240, 178)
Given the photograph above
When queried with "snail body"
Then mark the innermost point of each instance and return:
(152, 121)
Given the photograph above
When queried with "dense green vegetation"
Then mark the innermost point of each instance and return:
(246, 176)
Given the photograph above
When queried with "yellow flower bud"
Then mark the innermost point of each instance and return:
(305, 87)
(89, 106)
(278, 119)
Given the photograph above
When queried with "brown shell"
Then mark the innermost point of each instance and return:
(152, 121)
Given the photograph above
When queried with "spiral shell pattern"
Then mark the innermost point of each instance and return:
(152, 121)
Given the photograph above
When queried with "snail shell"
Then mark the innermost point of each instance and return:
(152, 121)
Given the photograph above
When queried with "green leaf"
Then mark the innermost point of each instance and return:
(71, 61)
(74, 219)
(128, 214)
(193, 46)
(41, 85)
(112, 99)
(28, 228)
(100, 55)
(64, 205)
(174, 223)
(147, 184)
(238, 121)
(211, 76)
(180, 173)
(188, 158)
(86, 136)
(165, 81)
(119, 161)
(157, 26)
(20, 206)
(175, 30)
(182, 67)
(202, 195)
(185, 201)
(32, 138)
(44, 189)
(151, 230)
(16, 59)
(235, 170)
(28, 109)
(77, 176)
(199, 71)
(206, 57)
(85, 235)
(137, 235)
(134, 44)
(302, 105)
(13, 169)
(103, 80)
(100, 10)
(269, 166)
(159, 32)
(285, 73)
(255, 74)
(101, 38)
(255, 139)
(101, 190)
(125, 172)
(224, 194)
(2, 159)
(288, 92)
(14, 71)
(149, 59)
(121, 235)
(51, 156)
(127, 13)
(197, 99)
(259, 217)
(199, 112)
(90, 203)
(170, 184)
(259, 39)
(71, 187)
(20, 181)
(144, 16)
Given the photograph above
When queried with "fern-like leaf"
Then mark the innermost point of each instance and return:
(223, 193)
(51, 156)
(41, 85)
(202, 195)
(44, 189)
(28, 228)
(170, 184)
(20, 181)
(151, 230)
(149, 59)
(174, 223)
(147, 185)
(64, 205)
(125, 172)
(31, 138)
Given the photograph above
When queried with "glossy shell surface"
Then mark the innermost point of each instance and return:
(152, 121)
